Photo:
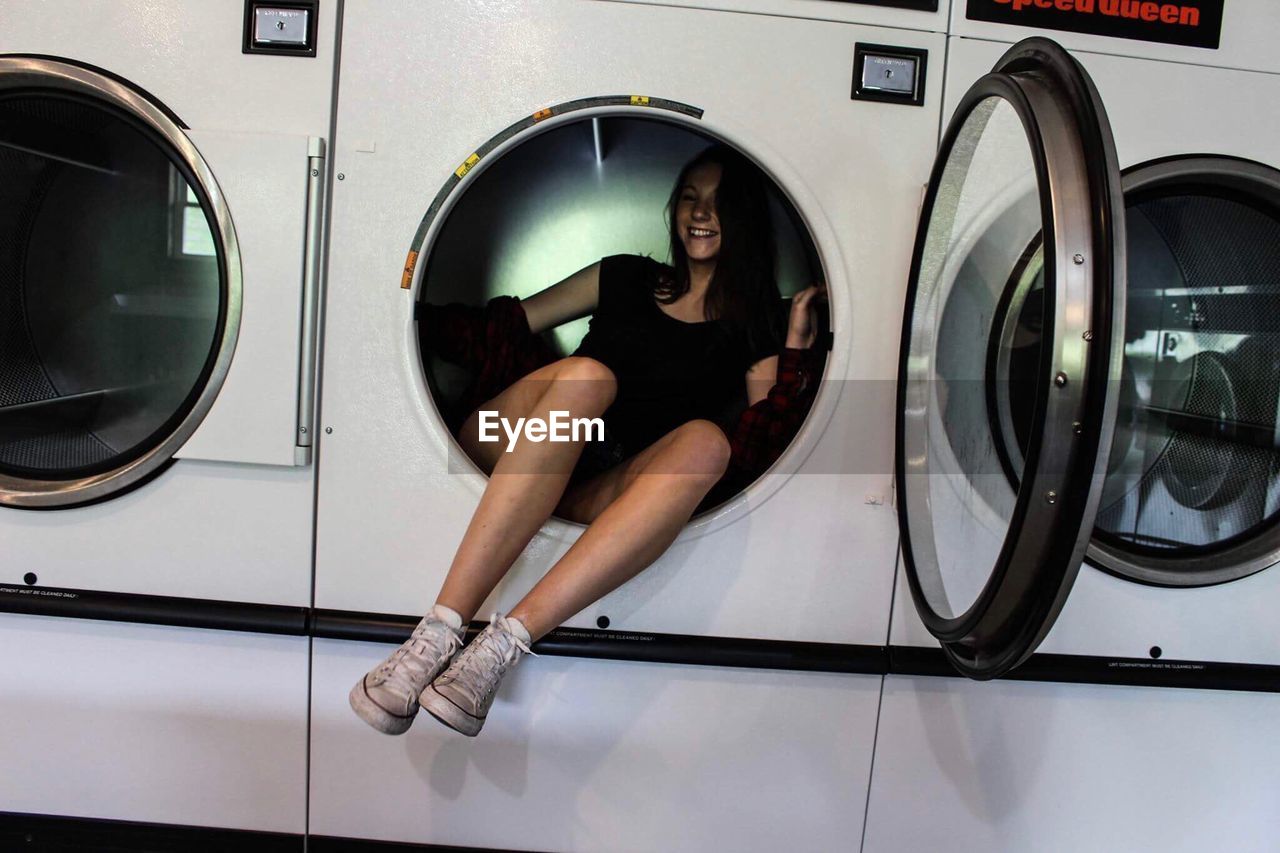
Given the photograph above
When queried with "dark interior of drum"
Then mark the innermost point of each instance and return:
(111, 291)
(1194, 466)
(561, 201)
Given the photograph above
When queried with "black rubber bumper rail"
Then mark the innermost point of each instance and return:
(1095, 669)
(155, 610)
(394, 628)
(635, 645)
(632, 645)
(62, 833)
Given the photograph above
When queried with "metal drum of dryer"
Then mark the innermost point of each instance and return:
(1026, 182)
(1193, 492)
(561, 199)
(119, 285)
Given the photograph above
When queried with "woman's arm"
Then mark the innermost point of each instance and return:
(574, 297)
(760, 378)
(780, 390)
(802, 331)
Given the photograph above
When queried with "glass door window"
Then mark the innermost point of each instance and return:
(1010, 357)
(114, 291)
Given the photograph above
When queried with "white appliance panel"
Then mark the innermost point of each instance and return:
(264, 178)
(238, 532)
(151, 723)
(976, 767)
(599, 755)
(187, 54)
(779, 88)
(199, 530)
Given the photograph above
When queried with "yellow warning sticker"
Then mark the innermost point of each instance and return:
(541, 114)
(462, 170)
(406, 278)
(639, 100)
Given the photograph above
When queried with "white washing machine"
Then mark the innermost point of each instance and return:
(498, 149)
(1004, 392)
(162, 174)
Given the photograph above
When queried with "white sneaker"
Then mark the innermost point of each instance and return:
(387, 697)
(460, 698)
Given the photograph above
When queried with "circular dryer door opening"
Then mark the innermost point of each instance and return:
(113, 292)
(556, 202)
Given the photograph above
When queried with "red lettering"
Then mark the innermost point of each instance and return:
(1151, 11)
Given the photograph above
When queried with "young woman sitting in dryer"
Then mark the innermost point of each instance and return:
(665, 358)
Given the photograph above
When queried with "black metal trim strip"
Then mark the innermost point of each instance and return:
(21, 831)
(640, 646)
(337, 844)
(1093, 669)
(155, 610)
(635, 645)
(915, 5)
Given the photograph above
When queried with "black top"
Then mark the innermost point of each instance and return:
(669, 372)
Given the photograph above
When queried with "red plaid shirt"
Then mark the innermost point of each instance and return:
(496, 345)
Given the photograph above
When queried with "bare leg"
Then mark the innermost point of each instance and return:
(635, 512)
(526, 483)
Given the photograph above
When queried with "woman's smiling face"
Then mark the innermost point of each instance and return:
(696, 219)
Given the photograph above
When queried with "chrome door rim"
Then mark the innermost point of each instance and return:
(41, 74)
(1034, 572)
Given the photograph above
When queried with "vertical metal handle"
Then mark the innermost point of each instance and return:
(310, 300)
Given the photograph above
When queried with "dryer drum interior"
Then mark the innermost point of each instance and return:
(560, 199)
(113, 289)
(1192, 491)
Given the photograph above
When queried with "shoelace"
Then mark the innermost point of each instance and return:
(488, 658)
(411, 656)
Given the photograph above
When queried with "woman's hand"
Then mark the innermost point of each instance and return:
(802, 328)
(574, 297)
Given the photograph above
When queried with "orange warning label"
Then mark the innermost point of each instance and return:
(541, 114)
(406, 278)
(639, 100)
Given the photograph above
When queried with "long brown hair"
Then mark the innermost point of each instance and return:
(743, 293)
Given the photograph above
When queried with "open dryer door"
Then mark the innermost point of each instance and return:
(1025, 208)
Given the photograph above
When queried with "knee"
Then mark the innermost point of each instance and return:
(589, 379)
(703, 448)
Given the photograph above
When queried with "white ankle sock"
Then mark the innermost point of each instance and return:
(520, 632)
(448, 616)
